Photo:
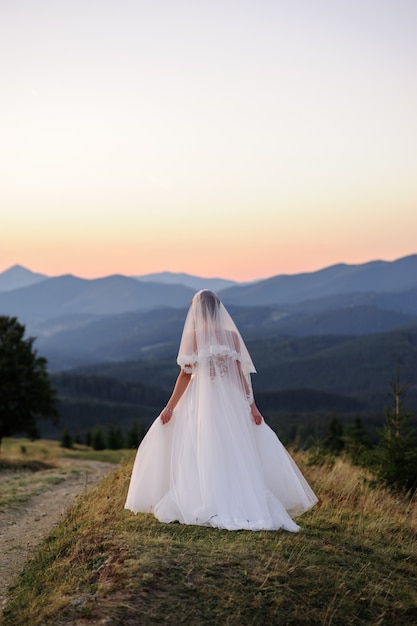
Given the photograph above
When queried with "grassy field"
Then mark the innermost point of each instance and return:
(28, 468)
(18, 452)
(353, 562)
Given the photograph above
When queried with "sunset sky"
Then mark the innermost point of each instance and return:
(240, 139)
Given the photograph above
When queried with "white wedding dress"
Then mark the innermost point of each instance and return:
(211, 464)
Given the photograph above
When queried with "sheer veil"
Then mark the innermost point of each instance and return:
(212, 343)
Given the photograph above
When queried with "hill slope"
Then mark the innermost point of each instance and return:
(361, 368)
(352, 563)
(374, 277)
(301, 381)
(82, 339)
(68, 295)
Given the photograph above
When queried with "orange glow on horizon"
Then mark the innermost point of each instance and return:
(227, 162)
(83, 265)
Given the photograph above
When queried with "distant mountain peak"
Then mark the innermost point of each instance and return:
(18, 276)
(17, 268)
(189, 280)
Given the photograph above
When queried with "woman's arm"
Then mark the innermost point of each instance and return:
(179, 388)
(257, 417)
(256, 414)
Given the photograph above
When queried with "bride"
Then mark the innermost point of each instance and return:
(209, 458)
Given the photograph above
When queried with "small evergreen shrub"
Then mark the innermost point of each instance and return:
(396, 452)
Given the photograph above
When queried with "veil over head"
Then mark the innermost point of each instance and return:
(210, 332)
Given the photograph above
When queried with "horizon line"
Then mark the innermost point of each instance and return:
(179, 273)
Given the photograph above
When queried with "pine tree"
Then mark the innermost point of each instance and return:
(334, 441)
(26, 394)
(97, 439)
(134, 435)
(357, 443)
(396, 452)
(114, 438)
(66, 439)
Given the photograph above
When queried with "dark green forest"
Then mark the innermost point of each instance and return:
(327, 345)
(300, 385)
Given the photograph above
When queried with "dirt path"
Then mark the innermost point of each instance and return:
(22, 529)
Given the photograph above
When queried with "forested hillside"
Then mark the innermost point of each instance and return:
(156, 334)
(324, 343)
(359, 367)
(300, 383)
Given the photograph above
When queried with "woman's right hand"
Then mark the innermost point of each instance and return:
(166, 415)
(257, 417)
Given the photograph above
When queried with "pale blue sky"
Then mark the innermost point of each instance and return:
(241, 139)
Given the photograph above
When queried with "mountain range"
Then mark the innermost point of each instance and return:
(117, 317)
(48, 297)
(18, 276)
(321, 341)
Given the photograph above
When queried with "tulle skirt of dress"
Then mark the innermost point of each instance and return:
(211, 465)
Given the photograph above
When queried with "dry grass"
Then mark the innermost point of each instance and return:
(28, 468)
(354, 562)
(22, 451)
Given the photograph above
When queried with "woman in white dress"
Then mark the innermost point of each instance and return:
(209, 458)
